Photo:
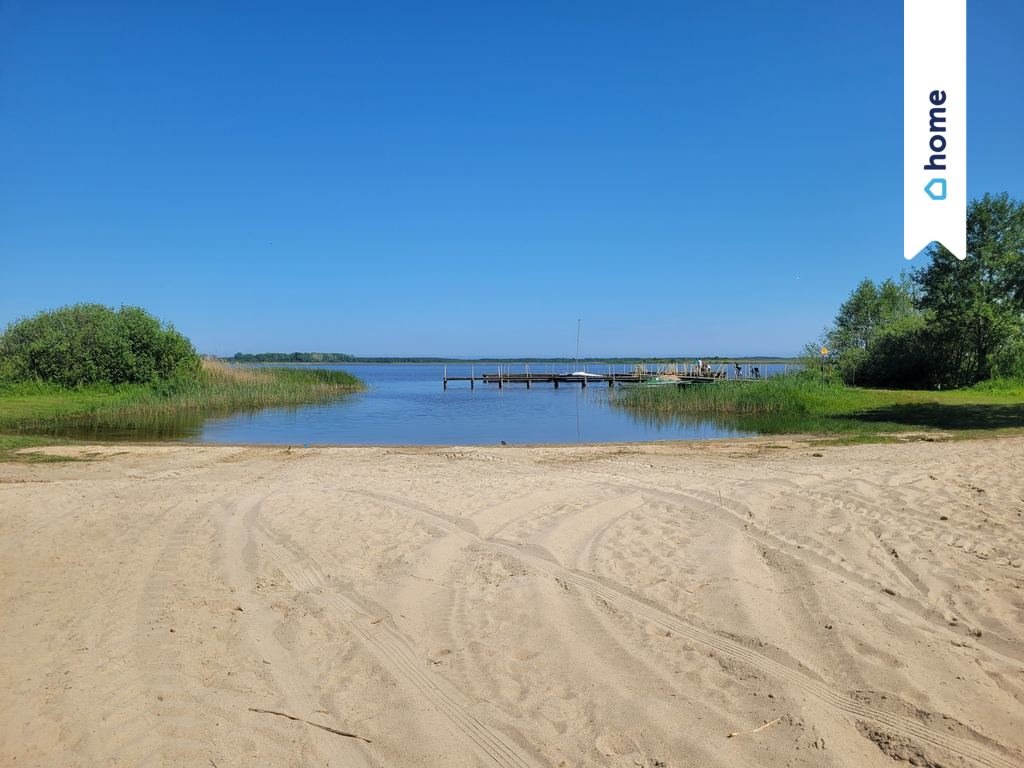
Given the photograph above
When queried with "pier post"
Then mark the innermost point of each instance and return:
(556, 383)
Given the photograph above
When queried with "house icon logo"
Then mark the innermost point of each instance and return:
(936, 189)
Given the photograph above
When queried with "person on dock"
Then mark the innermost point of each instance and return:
(739, 371)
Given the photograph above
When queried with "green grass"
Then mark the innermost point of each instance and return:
(165, 409)
(801, 404)
(12, 449)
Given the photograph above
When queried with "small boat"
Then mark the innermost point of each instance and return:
(655, 383)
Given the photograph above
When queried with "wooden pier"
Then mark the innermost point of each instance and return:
(665, 375)
(555, 379)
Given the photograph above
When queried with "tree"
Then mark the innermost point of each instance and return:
(950, 323)
(975, 308)
(872, 312)
(870, 309)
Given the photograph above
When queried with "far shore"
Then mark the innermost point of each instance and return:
(523, 360)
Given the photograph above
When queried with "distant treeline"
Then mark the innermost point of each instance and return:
(340, 357)
(292, 357)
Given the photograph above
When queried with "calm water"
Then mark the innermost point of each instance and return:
(406, 405)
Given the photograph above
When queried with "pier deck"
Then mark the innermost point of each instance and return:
(610, 379)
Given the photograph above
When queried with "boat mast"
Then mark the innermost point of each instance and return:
(578, 321)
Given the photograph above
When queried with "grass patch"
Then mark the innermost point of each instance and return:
(800, 404)
(855, 439)
(11, 449)
(164, 409)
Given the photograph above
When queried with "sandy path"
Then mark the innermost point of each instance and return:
(613, 606)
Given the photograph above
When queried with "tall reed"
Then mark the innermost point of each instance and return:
(776, 395)
(803, 403)
(219, 389)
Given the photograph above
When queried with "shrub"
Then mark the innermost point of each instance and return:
(899, 356)
(93, 344)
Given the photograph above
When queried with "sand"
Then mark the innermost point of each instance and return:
(508, 606)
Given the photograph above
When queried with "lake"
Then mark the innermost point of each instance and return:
(406, 405)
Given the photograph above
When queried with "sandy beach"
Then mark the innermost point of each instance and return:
(740, 603)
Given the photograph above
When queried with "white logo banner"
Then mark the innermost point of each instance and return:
(934, 125)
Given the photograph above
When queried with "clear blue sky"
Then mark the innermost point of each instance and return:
(469, 178)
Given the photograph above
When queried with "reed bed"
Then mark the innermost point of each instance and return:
(219, 389)
(802, 403)
(226, 387)
(777, 395)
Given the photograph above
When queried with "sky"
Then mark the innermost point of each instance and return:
(469, 179)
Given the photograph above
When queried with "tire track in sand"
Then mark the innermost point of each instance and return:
(290, 686)
(816, 554)
(813, 554)
(149, 709)
(392, 650)
(620, 597)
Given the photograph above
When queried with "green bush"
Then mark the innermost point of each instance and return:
(899, 356)
(93, 344)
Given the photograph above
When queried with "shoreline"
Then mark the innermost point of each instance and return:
(809, 439)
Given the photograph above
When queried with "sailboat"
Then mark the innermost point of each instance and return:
(579, 371)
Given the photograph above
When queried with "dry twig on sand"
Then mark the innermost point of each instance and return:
(759, 728)
(315, 725)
